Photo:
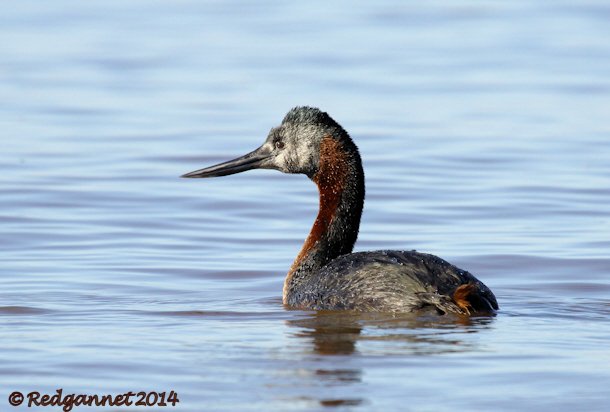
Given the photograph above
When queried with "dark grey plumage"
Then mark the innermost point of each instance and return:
(389, 281)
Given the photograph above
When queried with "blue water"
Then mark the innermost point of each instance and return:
(484, 129)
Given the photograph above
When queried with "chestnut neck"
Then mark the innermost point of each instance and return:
(340, 181)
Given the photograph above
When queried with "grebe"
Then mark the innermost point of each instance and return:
(326, 275)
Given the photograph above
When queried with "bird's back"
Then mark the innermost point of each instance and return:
(392, 281)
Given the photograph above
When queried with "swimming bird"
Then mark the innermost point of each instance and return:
(326, 275)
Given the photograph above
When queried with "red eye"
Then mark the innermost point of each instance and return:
(279, 144)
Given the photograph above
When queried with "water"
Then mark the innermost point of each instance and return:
(484, 131)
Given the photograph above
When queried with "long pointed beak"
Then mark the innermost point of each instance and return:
(253, 160)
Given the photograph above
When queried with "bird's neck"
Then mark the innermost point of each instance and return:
(340, 181)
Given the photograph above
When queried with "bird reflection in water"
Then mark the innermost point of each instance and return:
(340, 339)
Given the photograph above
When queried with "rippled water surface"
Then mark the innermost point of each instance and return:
(485, 133)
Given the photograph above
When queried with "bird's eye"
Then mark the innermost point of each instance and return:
(279, 144)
